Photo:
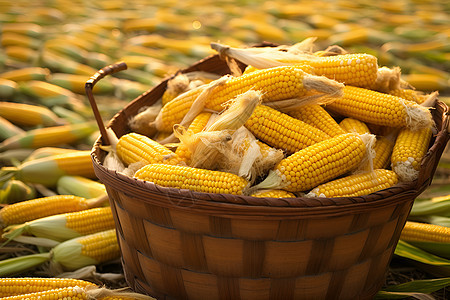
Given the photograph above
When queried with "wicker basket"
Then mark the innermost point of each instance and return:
(179, 244)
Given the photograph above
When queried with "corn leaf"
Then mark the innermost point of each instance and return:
(417, 289)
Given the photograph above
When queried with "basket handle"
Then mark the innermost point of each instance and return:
(108, 70)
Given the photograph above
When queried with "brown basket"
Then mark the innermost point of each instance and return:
(179, 244)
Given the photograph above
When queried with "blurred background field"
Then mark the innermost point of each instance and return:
(49, 48)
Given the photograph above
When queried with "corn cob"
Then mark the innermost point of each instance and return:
(409, 149)
(59, 63)
(22, 54)
(409, 94)
(65, 48)
(356, 185)
(80, 186)
(381, 109)
(175, 86)
(383, 150)
(316, 164)
(272, 194)
(8, 129)
(25, 285)
(7, 88)
(197, 125)
(71, 255)
(136, 148)
(29, 29)
(28, 115)
(275, 84)
(68, 115)
(75, 83)
(427, 82)
(11, 157)
(354, 125)
(315, 115)
(16, 191)
(48, 170)
(17, 39)
(49, 136)
(29, 210)
(199, 180)
(61, 227)
(282, 131)
(26, 74)
(422, 232)
(48, 151)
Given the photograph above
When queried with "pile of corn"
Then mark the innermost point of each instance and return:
(50, 48)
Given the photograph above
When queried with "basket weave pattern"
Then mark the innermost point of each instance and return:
(179, 244)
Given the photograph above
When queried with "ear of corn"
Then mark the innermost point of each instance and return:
(29, 210)
(383, 150)
(49, 136)
(422, 232)
(273, 194)
(75, 83)
(409, 149)
(61, 227)
(17, 39)
(80, 186)
(275, 84)
(25, 285)
(282, 131)
(7, 88)
(315, 115)
(356, 185)
(381, 109)
(28, 115)
(15, 191)
(8, 129)
(136, 148)
(29, 29)
(60, 63)
(409, 94)
(20, 53)
(199, 180)
(316, 164)
(26, 74)
(48, 151)
(354, 125)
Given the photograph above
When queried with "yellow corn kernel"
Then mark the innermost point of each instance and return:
(408, 94)
(383, 150)
(91, 249)
(25, 211)
(282, 131)
(316, 164)
(199, 180)
(134, 148)
(315, 115)
(197, 125)
(275, 84)
(273, 194)
(381, 109)
(73, 293)
(356, 184)
(354, 125)
(422, 232)
(409, 149)
(25, 285)
(28, 115)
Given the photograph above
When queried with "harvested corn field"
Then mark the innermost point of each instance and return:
(293, 103)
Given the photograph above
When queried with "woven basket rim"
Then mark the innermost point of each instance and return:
(414, 188)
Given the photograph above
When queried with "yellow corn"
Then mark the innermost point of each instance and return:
(199, 180)
(427, 82)
(48, 151)
(381, 109)
(277, 83)
(43, 89)
(80, 186)
(75, 83)
(21, 53)
(49, 136)
(175, 86)
(356, 185)
(316, 164)
(354, 125)
(409, 149)
(25, 285)
(14, 191)
(422, 232)
(26, 74)
(7, 88)
(30, 29)
(73, 293)
(28, 114)
(383, 150)
(273, 194)
(28, 210)
(87, 250)
(281, 131)
(17, 39)
(197, 125)
(408, 94)
(48, 170)
(61, 227)
(134, 148)
(315, 115)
